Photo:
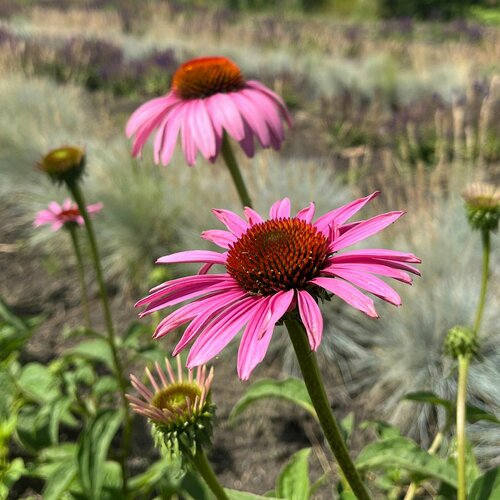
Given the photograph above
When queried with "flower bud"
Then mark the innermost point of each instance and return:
(461, 341)
(64, 164)
(178, 406)
(482, 203)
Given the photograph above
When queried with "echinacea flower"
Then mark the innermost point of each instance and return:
(272, 267)
(60, 215)
(209, 96)
(63, 164)
(179, 406)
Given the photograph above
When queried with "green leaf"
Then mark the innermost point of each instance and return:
(292, 389)
(33, 426)
(486, 487)
(58, 411)
(38, 383)
(59, 481)
(383, 429)
(244, 495)
(93, 449)
(293, 481)
(405, 454)
(93, 349)
(474, 414)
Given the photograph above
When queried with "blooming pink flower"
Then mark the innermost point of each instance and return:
(272, 267)
(59, 215)
(209, 95)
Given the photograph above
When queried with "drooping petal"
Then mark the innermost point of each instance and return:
(371, 284)
(225, 115)
(348, 293)
(276, 98)
(187, 134)
(278, 306)
(170, 133)
(378, 253)
(247, 143)
(216, 336)
(374, 268)
(253, 118)
(280, 209)
(253, 348)
(365, 230)
(311, 318)
(203, 131)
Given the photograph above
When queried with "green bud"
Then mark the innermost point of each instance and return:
(64, 164)
(461, 341)
(482, 205)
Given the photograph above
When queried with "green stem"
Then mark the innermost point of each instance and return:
(463, 366)
(316, 389)
(234, 170)
(77, 193)
(484, 280)
(201, 462)
(81, 272)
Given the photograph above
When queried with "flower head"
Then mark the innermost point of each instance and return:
(64, 164)
(61, 215)
(178, 406)
(482, 202)
(209, 96)
(273, 267)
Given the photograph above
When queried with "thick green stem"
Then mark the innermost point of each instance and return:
(316, 389)
(81, 272)
(234, 170)
(463, 367)
(201, 462)
(484, 280)
(77, 193)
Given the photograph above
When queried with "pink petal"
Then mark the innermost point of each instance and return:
(348, 293)
(259, 86)
(202, 128)
(371, 284)
(378, 253)
(147, 111)
(213, 339)
(278, 306)
(247, 143)
(219, 237)
(343, 213)
(280, 209)
(253, 118)
(169, 134)
(252, 216)
(252, 348)
(233, 222)
(311, 317)
(187, 132)
(207, 256)
(225, 115)
(365, 230)
(55, 208)
(381, 269)
(94, 208)
(306, 214)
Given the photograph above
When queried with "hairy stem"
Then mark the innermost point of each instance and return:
(314, 383)
(234, 170)
(77, 193)
(72, 229)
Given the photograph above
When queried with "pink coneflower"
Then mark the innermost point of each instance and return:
(67, 213)
(209, 95)
(281, 265)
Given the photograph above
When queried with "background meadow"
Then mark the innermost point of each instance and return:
(382, 97)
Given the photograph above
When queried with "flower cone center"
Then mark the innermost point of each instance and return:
(279, 254)
(70, 213)
(206, 76)
(176, 397)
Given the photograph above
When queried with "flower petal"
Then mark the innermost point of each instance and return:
(225, 115)
(207, 256)
(233, 222)
(252, 216)
(365, 230)
(307, 213)
(311, 317)
(343, 213)
(348, 293)
(219, 237)
(280, 209)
